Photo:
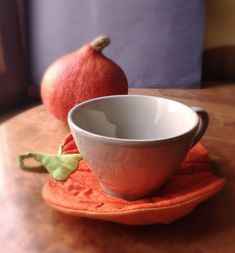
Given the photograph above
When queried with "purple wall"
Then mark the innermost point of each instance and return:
(157, 43)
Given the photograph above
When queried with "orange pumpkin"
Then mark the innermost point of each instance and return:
(79, 76)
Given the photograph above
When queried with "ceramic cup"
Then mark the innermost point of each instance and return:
(135, 143)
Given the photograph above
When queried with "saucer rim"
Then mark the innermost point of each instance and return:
(214, 188)
(120, 217)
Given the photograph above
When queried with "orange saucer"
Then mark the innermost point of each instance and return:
(81, 195)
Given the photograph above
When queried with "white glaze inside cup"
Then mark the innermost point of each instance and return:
(134, 117)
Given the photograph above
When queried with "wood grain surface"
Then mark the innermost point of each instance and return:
(27, 224)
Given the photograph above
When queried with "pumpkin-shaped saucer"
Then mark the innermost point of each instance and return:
(81, 194)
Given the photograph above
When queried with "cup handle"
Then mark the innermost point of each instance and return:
(202, 126)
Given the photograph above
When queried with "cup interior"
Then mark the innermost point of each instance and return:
(134, 117)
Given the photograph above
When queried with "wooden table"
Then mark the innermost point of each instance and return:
(29, 225)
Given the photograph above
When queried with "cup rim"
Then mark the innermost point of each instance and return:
(73, 125)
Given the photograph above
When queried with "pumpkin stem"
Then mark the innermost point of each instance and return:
(100, 43)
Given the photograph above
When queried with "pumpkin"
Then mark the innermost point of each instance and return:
(79, 76)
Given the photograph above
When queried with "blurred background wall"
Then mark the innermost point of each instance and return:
(220, 23)
(219, 45)
(218, 61)
(157, 43)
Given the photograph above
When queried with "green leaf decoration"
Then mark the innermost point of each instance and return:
(59, 166)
